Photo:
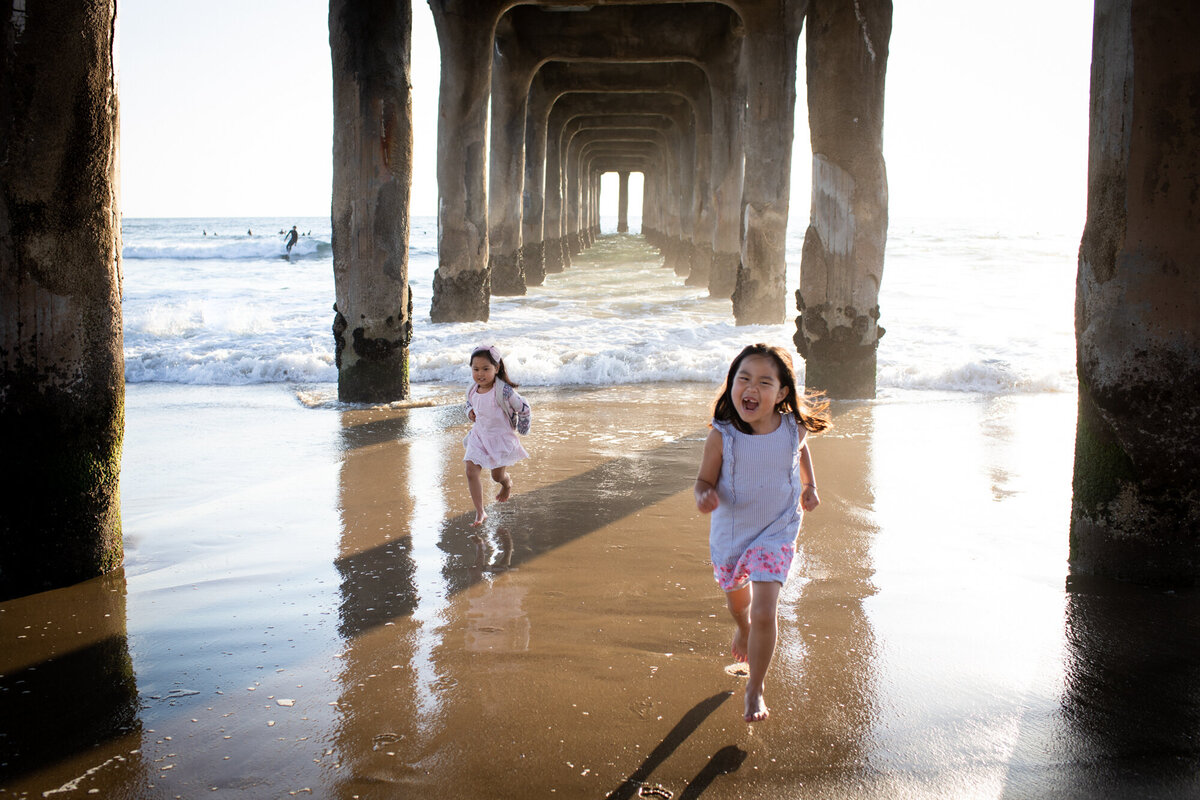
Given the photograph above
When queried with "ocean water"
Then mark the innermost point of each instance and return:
(967, 308)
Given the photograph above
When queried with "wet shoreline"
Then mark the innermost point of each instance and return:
(303, 610)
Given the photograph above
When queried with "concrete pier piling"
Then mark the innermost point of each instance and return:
(62, 380)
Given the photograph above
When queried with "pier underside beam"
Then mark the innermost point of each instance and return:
(1135, 511)
(62, 385)
(372, 174)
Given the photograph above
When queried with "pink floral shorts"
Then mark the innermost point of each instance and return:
(756, 564)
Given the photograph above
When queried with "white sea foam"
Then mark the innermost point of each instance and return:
(965, 311)
(229, 367)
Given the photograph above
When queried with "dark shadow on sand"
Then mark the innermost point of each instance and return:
(66, 705)
(73, 699)
(726, 760)
(686, 726)
(377, 584)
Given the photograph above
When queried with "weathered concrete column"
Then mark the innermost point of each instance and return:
(533, 246)
(512, 70)
(594, 209)
(838, 329)
(697, 258)
(462, 282)
(728, 150)
(688, 174)
(623, 202)
(556, 252)
(769, 52)
(372, 175)
(1135, 511)
(572, 241)
(589, 189)
(62, 386)
(651, 206)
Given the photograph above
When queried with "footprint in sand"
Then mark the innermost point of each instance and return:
(738, 670)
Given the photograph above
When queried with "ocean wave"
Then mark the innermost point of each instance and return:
(229, 368)
(986, 376)
(573, 368)
(240, 248)
(580, 368)
(185, 320)
(958, 320)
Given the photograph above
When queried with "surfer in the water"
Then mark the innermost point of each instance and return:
(293, 235)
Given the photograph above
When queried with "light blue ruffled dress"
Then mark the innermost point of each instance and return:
(753, 531)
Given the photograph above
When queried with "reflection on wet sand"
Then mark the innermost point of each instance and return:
(497, 618)
(422, 594)
(826, 635)
(391, 509)
(321, 619)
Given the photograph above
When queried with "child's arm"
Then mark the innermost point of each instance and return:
(808, 497)
(710, 472)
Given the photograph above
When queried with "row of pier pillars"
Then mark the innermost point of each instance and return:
(537, 101)
(699, 98)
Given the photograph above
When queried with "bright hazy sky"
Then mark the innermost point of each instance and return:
(226, 110)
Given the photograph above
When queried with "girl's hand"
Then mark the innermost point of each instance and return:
(707, 501)
(471, 415)
(809, 499)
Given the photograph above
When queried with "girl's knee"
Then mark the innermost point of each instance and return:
(764, 606)
(473, 469)
(499, 474)
(763, 616)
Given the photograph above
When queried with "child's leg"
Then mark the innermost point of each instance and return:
(764, 631)
(739, 609)
(500, 475)
(473, 483)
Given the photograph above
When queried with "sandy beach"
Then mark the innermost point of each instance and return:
(303, 612)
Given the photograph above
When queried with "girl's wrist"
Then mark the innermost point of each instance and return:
(810, 485)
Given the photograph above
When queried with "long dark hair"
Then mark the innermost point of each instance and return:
(486, 351)
(810, 409)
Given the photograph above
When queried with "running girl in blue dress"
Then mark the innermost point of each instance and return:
(756, 479)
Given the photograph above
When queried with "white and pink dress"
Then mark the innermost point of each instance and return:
(493, 441)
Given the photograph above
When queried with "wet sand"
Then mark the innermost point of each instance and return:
(303, 612)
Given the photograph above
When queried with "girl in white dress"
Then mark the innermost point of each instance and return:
(498, 413)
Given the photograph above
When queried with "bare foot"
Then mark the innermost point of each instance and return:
(505, 491)
(480, 518)
(738, 646)
(756, 707)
